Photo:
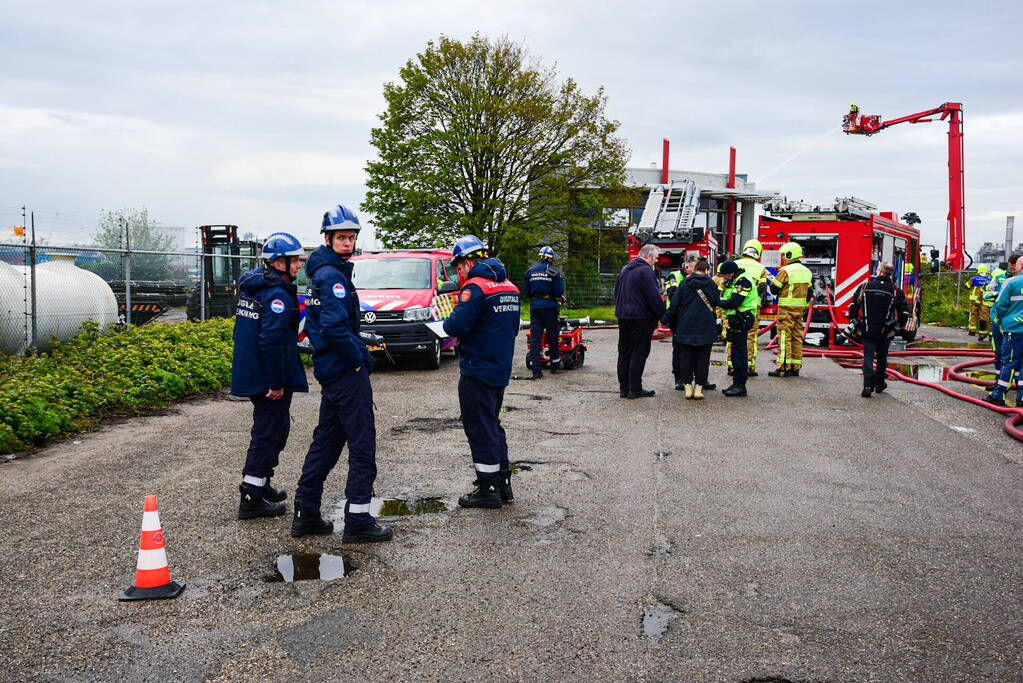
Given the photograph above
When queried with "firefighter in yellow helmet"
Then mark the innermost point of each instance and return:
(977, 284)
(750, 264)
(794, 288)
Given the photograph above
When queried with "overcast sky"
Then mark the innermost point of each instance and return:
(259, 114)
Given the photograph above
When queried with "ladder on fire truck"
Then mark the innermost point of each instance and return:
(670, 211)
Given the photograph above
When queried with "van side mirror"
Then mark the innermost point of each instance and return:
(448, 287)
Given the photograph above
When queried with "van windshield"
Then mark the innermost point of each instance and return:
(392, 273)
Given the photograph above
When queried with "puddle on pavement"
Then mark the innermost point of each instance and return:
(427, 424)
(661, 455)
(509, 408)
(401, 507)
(523, 466)
(923, 372)
(311, 567)
(545, 517)
(719, 363)
(657, 618)
(532, 397)
(949, 345)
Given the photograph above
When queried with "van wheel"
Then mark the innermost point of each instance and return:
(433, 360)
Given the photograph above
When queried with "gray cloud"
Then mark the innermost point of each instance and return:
(259, 114)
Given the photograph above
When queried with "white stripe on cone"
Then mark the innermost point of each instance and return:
(151, 521)
(152, 559)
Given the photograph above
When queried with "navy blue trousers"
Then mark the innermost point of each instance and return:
(540, 321)
(346, 417)
(996, 344)
(271, 422)
(1011, 365)
(481, 419)
(739, 326)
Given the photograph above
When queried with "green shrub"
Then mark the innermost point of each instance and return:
(96, 375)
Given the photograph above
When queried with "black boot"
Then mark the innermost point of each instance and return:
(276, 495)
(866, 392)
(537, 373)
(679, 386)
(792, 372)
(734, 391)
(308, 522)
(777, 373)
(485, 495)
(505, 487)
(255, 503)
(880, 386)
(373, 534)
(710, 387)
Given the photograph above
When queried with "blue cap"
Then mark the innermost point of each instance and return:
(281, 244)
(467, 246)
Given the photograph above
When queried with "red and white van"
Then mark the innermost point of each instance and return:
(399, 291)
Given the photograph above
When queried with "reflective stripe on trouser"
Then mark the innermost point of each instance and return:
(271, 422)
(975, 313)
(984, 321)
(1012, 362)
(346, 416)
(481, 420)
(790, 337)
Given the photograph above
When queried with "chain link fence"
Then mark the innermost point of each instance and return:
(48, 290)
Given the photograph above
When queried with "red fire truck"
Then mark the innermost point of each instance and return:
(668, 221)
(843, 246)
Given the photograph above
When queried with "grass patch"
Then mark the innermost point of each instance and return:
(98, 375)
(939, 300)
(606, 313)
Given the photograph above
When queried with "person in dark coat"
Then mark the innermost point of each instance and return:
(879, 307)
(638, 307)
(694, 329)
(266, 367)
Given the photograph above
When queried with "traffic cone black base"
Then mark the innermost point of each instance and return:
(171, 590)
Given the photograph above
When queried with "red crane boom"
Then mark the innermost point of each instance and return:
(856, 124)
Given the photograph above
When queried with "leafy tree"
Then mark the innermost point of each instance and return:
(479, 138)
(143, 234)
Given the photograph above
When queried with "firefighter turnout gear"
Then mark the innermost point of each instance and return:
(342, 364)
(977, 284)
(486, 321)
(794, 287)
(266, 368)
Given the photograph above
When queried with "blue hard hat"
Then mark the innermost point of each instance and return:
(546, 252)
(467, 246)
(340, 218)
(281, 244)
(729, 267)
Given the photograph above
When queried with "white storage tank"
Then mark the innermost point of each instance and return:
(66, 295)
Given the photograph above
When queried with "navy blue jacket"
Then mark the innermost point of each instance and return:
(689, 318)
(332, 317)
(266, 336)
(637, 296)
(544, 286)
(486, 321)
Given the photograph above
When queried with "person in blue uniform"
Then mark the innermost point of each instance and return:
(342, 365)
(545, 288)
(1008, 311)
(485, 321)
(266, 367)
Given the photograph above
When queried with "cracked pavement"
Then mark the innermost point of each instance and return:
(800, 534)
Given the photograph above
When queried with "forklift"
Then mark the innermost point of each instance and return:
(218, 288)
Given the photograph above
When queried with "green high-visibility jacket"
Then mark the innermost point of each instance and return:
(740, 295)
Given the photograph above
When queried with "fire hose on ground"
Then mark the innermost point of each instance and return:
(1014, 420)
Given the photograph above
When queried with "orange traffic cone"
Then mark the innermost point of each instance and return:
(152, 575)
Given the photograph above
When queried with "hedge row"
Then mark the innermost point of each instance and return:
(98, 375)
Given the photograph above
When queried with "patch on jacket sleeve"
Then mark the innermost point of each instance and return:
(277, 306)
(465, 295)
(339, 291)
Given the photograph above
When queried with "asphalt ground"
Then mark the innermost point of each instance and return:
(802, 533)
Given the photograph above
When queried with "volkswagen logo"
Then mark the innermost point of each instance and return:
(370, 317)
